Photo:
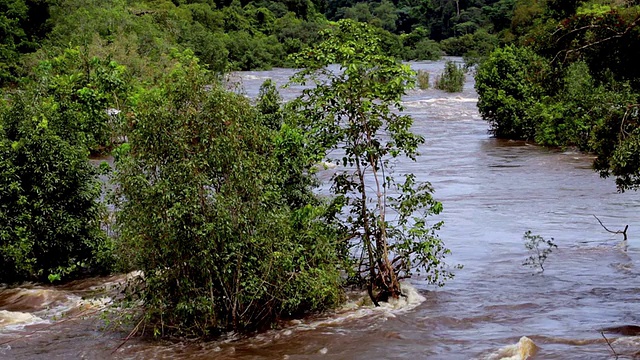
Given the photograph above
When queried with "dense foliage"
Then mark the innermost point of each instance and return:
(22, 26)
(571, 80)
(87, 94)
(49, 214)
(50, 217)
(235, 35)
(509, 86)
(202, 211)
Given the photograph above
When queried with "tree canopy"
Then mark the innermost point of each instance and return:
(234, 35)
(570, 79)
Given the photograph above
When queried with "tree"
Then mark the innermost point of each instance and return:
(360, 12)
(385, 15)
(509, 85)
(355, 110)
(202, 210)
(49, 213)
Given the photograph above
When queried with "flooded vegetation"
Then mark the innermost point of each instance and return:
(493, 191)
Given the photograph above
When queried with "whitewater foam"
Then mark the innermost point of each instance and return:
(429, 102)
(524, 349)
(362, 306)
(15, 320)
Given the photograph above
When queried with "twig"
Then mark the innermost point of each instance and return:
(617, 35)
(623, 232)
(135, 330)
(609, 343)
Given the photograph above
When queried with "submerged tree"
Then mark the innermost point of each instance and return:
(204, 212)
(355, 109)
(452, 79)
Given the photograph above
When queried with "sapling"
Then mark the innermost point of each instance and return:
(540, 248)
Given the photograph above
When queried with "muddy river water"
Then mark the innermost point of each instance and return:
(492, 191)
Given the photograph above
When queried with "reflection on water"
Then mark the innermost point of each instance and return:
(493, 191)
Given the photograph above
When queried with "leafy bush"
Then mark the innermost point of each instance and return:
(422, 78)
(452, 80)
(425, 49)
(201, 211)
(509, 86)
(253, 52)
(49, 214)
(82, 89)
(480, 42)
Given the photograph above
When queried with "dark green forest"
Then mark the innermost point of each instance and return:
(234, 35)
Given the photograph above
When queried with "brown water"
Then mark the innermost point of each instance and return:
(493, 191)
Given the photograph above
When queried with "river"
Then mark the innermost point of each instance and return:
(492, 191)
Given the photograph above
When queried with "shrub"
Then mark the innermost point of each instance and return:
(81, 89)
(201, 210)
(539, 248)
(452, 80)
(418, 46)
(509, 86)
(479, 42)
(425, 49)
(49, 214)
(247, 51)
(422, 78)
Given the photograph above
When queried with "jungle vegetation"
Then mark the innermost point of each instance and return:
(210, 195)
(569, 79)
(235, 35)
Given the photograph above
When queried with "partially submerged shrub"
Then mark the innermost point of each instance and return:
(49, 214)
(422, 78)
(509, 85)
(452, 79)
(203, 212)
(540, 248)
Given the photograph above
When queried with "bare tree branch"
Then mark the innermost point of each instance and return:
(617, 35)
(609, 343)
(623, 232)
(133, 332)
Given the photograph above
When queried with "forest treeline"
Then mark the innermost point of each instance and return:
(235, 35)
(570, 78)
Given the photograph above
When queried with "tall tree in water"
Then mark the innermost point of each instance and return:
(356, 111)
